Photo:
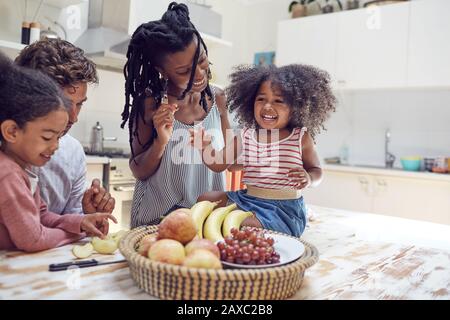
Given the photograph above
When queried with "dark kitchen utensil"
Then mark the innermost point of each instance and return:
(80, 264)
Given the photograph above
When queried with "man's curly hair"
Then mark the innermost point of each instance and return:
(61, 60)
(305, 89)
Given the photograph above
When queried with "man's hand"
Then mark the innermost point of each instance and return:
(300, 177)
(96, 199)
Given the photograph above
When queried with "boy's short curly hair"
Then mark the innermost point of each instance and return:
(61, 60)
(305, 89)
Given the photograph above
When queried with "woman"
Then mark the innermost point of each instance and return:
(167, 76)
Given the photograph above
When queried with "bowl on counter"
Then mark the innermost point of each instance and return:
(412, 163)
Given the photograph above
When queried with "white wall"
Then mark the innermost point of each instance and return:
(418, 120)
(250, 25)
(105, 104)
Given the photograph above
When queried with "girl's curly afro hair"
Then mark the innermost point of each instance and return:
(305, 89)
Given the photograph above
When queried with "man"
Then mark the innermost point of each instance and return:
(62, 180)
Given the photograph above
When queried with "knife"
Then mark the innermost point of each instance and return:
(80, 264)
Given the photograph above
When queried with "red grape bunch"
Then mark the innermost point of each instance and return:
(248, 246)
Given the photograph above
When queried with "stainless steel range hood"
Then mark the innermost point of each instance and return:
(95, 41)
(112, 21)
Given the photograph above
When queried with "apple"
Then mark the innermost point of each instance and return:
(202, 258)
(202, 244)
(178, 225)
(104, 246)
(146, 242)
(82, 252)
(167, 251)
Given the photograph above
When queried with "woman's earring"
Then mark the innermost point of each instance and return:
(164, 95)
(148, 92)
(209, 74)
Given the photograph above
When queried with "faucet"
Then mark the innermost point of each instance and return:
(389, 158)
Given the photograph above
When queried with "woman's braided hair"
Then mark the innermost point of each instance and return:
(148, 46)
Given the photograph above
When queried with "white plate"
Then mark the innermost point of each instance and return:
(289, 249)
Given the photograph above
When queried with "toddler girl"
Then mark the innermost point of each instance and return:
(282, 109)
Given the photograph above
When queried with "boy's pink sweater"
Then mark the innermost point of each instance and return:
(25, 222)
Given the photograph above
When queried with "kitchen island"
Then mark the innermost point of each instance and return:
(362, 256)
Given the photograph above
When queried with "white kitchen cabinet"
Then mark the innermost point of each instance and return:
(342, 190)
(372, 47)
(309, 40)
(393, 46)
(95, 168)
(411, 198)
(94, 171)
(429, 45)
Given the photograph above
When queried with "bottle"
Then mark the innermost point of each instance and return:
(35, 32)
(25, 38)
(344, 153)
(97, 138)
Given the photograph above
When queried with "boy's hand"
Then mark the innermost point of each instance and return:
(96, 224)
(97, 199)
(300, 177)
(199, 139)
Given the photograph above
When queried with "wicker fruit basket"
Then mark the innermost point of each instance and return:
(167, 281)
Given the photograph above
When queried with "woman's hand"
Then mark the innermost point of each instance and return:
(96, 224)
(199, 139)
(300, 177)
(163, 122)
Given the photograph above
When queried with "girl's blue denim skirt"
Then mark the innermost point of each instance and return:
(286, 216)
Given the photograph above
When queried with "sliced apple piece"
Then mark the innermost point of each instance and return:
(106, 246)
(84, 251)
(116, 236)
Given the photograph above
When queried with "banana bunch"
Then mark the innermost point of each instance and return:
(216, 223)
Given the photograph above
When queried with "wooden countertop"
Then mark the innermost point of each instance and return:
(362, 256)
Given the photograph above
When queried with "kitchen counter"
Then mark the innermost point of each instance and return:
(362, 256)
(97, 160)
(395, 172)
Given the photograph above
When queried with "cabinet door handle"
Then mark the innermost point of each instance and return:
(364, 183)
(363, 180)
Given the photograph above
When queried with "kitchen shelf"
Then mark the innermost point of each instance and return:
(11, 45)
(11, 49)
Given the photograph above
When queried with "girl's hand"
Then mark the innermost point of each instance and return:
(199, 139)
(300, 177)
(96, 224)
(163, 121)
